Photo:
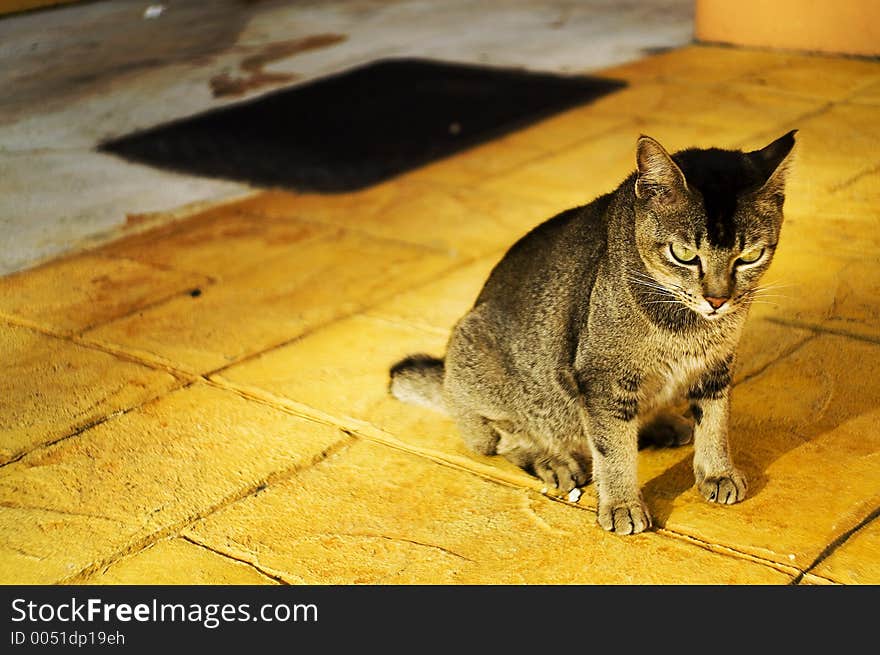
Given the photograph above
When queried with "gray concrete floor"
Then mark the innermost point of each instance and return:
(76, 75)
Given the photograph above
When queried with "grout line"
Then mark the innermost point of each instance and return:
(368, 431)
(80, 332)
(360, 311)
(821, 329)
(175, 529)
(362, 429)
(632, 120)
(354, 429)
(342, 227)
(871, 82)
(47, 330)
(208, 280)
(158, 362)
(840, 186)
(186, 377)
(786, 353)
(99, 421)
(393, 320)
(822, 580)
(92, 424)
(731, 552)
(272, 576)
(143, 358)
(773, 132)
(837, 543)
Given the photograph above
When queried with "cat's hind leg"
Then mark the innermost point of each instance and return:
(561, 469)
(477, 431)
(666, 430)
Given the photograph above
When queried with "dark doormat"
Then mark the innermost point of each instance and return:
(358, 128)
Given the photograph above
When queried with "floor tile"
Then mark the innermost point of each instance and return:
(372, 515)
(835, 146)
(178, 561)
(763, 342)
(815, 581)
(52, 388)
(514, 150)
(221, 243)
(284, 298)
(579, 174)
(820, 280)
(857, 560)
(803, 433)
(869, 94)
(86, 501)
(439, 305)
(74, 294)
(343, 370)
(732, 108)
(826, 78)
(701, 64)
(856, 200)
(463, 220)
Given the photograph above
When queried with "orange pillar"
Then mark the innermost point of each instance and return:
(839, 26)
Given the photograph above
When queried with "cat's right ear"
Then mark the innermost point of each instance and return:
(659, 178)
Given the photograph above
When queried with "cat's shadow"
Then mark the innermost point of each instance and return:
(771, 419)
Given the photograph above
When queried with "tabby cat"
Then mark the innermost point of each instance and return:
(600, 319)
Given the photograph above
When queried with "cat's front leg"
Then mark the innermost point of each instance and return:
(717, 478)
(613, 435)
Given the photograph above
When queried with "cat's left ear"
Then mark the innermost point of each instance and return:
(659, 178)
(775, 162)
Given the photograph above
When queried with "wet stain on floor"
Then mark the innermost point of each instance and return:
(225, 84)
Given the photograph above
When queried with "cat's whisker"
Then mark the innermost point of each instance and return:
(764, 292)
(657, 285)
(650, 285)
(650, 296)
(773, 286)
(760, 294)
(658, 292)
(644, 280)
(641, 276)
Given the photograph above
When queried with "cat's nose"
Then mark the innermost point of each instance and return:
(716, 302)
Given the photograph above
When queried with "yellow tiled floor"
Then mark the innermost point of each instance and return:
(206, 402)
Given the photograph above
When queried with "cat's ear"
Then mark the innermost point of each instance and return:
(659, 178)
(774, 161)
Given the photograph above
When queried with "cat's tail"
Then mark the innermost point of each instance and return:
(418, 380)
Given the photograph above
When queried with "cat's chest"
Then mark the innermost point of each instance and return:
(670, 368)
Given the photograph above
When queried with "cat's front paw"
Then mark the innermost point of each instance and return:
(726, 488)
(625, 517)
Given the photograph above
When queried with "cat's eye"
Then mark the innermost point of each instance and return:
(683, 254)
(750, 256)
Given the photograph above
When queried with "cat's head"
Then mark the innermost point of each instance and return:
(707, 222)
